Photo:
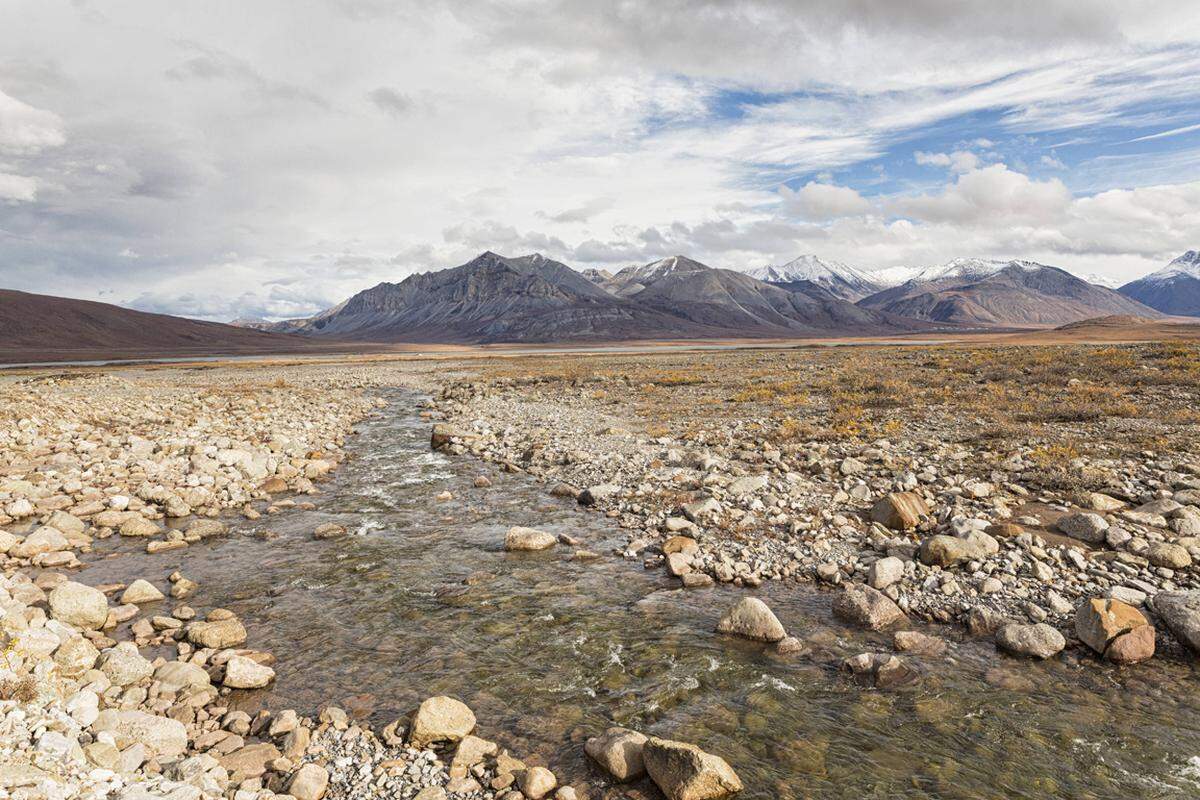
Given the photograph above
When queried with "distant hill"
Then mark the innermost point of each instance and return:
(1174, 289)
(840, 280)
(493, 298)
(995, 294)
(37, 327)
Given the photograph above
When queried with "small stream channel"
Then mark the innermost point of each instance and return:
(421, 599)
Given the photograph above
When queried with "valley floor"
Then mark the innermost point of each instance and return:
(1044, 495)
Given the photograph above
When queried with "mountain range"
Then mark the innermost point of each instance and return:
(493, 298)
(534, 299)
(981, 293)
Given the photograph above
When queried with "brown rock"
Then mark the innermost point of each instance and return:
(1099, 622)
(900, 510)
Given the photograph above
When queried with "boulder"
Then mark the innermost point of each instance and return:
(1101, 620)
(44, 540)
(1084, 526)
(866, 607)
(1180, 612)
(138, 526)
(598, 494)
(444, 434)
(619, 752)
(218, 634)
(900, 510)
(76, 656)
(124, 665)
(885, 572)
(178, 676)
(747, 485)
(440, 719)
(1038, 641)
(1132, 646)
(685, 772)
(140, 591)
(948, 551)
(750, 618)
(309, 782)
(537, 782)
(161, 736)
(79, 605)
(523, 539)
(881, 670)
(1167, 554)
(246, 673)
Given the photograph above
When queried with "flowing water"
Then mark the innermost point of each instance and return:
(547, 649)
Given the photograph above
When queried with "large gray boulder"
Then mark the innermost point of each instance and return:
(1180, 612)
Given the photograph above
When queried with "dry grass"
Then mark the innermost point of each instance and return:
(1117, 397)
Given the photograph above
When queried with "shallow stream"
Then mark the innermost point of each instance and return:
(546, 649)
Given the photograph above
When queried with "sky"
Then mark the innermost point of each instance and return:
(222, 159)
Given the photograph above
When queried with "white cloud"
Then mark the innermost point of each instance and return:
(958, 161)
(991, 196)
(821, 201)
(25, 130)
(17, 188)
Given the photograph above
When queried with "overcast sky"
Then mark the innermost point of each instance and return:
(222, 159)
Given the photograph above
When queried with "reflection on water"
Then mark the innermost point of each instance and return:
(548, 650)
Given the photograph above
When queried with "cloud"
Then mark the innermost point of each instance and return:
(958, 161)
(390, 101)
(1051, 161)
(25, 130)
(17, 188)
(581, 213)
(993, 196)
(597, 133)
(820, 201)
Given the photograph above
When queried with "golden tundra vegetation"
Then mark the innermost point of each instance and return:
(1062, 401)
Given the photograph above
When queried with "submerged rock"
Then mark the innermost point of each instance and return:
(524, 539)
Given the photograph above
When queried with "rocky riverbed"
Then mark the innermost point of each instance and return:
(151, 624)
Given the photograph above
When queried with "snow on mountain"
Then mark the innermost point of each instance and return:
(840, 279)
(632, 280)
(1097, 279)
(1187, 264)
(1174, 289)
(894, 276)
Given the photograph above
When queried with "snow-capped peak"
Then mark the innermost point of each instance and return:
(1187, 265)
(664, 267)
(808, 268)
